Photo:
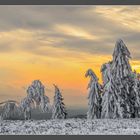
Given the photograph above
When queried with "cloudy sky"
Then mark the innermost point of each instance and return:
(57, 44)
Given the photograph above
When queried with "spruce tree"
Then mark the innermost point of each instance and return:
(136, 97)
(26, 106)
(118, 91)
(106, 70)
(111, 107)
(120, 66)
(45, 104)
(59, 110)
(121, 73)
(94, 97)
(36, 91)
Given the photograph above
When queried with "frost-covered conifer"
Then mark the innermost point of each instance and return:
(111, 107)
(59, 110)
(35, 97)
(106, 70)
(94, 97)
(136, 97)
(121, 73)
(120, 65)
(36, 91)
(45, 104)
(26, 106)
(118, 90)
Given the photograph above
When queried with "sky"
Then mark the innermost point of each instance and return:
(57, 44)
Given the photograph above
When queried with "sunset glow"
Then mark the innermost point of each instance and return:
(57, 44)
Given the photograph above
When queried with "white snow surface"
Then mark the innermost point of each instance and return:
(71, 127)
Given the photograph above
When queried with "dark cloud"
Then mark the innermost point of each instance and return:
(44, 18)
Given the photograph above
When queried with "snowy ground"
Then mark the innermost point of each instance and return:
(71, 126)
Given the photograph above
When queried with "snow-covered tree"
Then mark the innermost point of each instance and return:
(111, 107)
(36, 91)
(118, 91)
(35, 98)
(45, 104)
(26, 106)
(59, 110)
(136, 95)
(106, 70)
(94, 97)
(10, 110)
(122, 75)
(120, 66)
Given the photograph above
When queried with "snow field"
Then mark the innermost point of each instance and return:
(71, 127)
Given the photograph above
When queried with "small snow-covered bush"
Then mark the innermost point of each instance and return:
(11, 111)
